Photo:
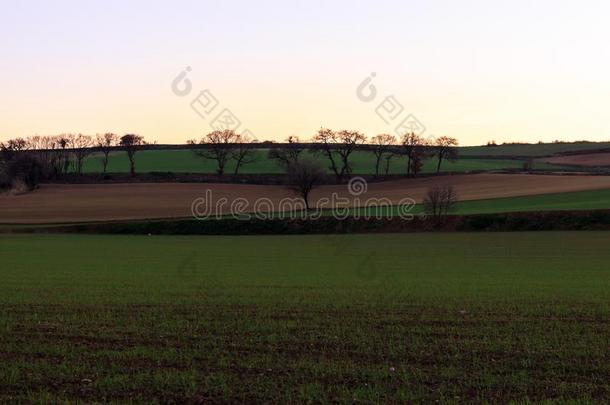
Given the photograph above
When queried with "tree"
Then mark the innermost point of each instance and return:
(416, 163)
(3, 162)
(289, 154)
(303, 177)
(62, 164)
(528, 165)
(131, 143)
(24, 169)
(337, 147)
(445, 149)
(243, 152)
(440, 200)
(382, 146)
(81, 148)
(12, 147)
(217, 146)
(106, 143)
(414, 147)
(12, 157)
(388, 158)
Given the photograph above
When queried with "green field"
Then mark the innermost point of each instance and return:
(544, 149)
(352, 318)
(578, 200)
(185, 161)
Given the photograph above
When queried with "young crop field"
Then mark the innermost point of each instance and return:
(353, 318)
(185, 161)
(573, 201)
(544, 149)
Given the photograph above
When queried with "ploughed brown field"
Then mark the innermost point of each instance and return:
(588, 159)
(104, 202)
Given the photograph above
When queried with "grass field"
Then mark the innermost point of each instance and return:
(184, 161)
(544, 149)
(354, 318)
(580, 200)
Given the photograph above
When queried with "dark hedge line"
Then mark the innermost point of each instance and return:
(533, 221)
(537, 221)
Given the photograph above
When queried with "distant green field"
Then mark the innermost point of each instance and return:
(544, 149)
(578, 200)
(347, 318)
(185, 161)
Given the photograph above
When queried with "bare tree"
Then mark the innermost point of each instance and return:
(289, 154)
(8, 151)
(382, 147)
(20, 169)
(445, 149)
(217, 146)
(303, 177)
(12, 146)
(243, 152)
(106, 143)
(50, 155)
(63, 156)
(388, 159)
(81, 148)
(337, 147)
(440, 200)
(528, 165)
(24, 172)
(131, 144)
(414, 147)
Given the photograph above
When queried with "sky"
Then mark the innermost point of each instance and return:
(519, 71)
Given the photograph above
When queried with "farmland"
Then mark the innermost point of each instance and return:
(185, 161)
(532, 150)
(587, 160)
(54, 203)
(573, 201)
(306, 318)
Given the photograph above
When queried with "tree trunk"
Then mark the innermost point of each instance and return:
(377, 166)
(440, 159)
(105, 161)
(333, 165)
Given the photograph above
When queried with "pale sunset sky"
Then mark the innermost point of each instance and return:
(476, 70)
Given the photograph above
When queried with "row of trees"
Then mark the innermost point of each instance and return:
(224, 146)
(336, 146)
(27, 160)
(55, 156)
(305, 173)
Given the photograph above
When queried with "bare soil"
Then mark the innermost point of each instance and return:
(588, 160)
(56, 203)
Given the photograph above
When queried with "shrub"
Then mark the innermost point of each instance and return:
(25, 169)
